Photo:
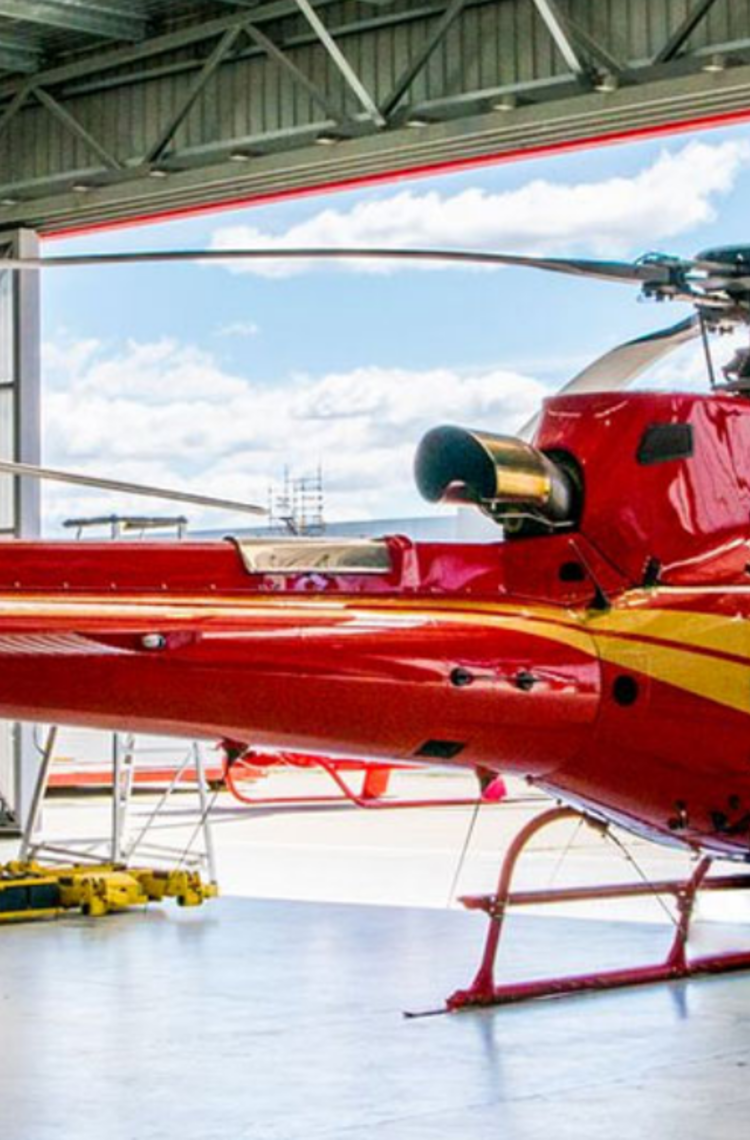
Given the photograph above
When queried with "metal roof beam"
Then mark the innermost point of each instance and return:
(681, 34)
(100, 63)
(596, 51)
(16, 55)
(109, 22)
(15, 105)
(341, 62)
(278, 56)
(103, 79)
(222, 49)
(438, 33)
(557, 24)
(71, 124)
(574, 118)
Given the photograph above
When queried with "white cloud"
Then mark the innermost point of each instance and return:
(158, 372)
(239, 329)
(167, 414)
(66, 357)
(618, 216)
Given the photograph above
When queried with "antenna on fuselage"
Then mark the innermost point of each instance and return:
(600, 600)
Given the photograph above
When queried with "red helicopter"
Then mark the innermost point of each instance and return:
(600, 649)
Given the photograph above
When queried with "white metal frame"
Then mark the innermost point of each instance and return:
(133, 840)
(20, 428)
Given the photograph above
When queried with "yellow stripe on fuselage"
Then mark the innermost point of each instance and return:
(394, 612)
(716, 679)
(686, 629)
(715, 633)
(697, 659)
(697, 656)
(710, 674)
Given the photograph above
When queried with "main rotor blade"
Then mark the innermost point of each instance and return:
(31, 471)
(618, 368)
(621, 365)
(636, 273)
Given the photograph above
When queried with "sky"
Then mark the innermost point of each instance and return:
(214, 378)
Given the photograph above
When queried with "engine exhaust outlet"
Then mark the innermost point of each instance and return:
(499, 474)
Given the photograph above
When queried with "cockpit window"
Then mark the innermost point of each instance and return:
(662, 442)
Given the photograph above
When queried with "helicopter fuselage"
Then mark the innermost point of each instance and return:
(608, 661)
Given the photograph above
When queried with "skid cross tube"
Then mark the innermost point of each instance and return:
(484, 991)
(374, 787)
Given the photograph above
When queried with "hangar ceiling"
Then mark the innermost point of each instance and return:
(115, 109)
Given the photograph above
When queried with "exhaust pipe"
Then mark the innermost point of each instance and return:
(498, 474)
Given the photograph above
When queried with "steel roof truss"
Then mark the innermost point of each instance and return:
(72, 124)
(229, 39)
(596, 51)
(113, 58)
(16, 55)
(559, 29)
(88, 16)
(282, 59)
(436, 36)
(15, 105)
(342, 63)
(681, 34)
(217, 56)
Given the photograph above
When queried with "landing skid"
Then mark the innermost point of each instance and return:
(484, 991)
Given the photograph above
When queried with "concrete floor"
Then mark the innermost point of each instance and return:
(257, 1018)
(282, 1021)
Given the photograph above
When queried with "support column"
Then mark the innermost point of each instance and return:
(20, 435)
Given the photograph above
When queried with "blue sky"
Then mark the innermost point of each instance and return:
(212, 379)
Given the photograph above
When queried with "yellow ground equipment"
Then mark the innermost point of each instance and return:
(30, 890)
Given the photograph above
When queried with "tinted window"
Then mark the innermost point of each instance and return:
(662, 442)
